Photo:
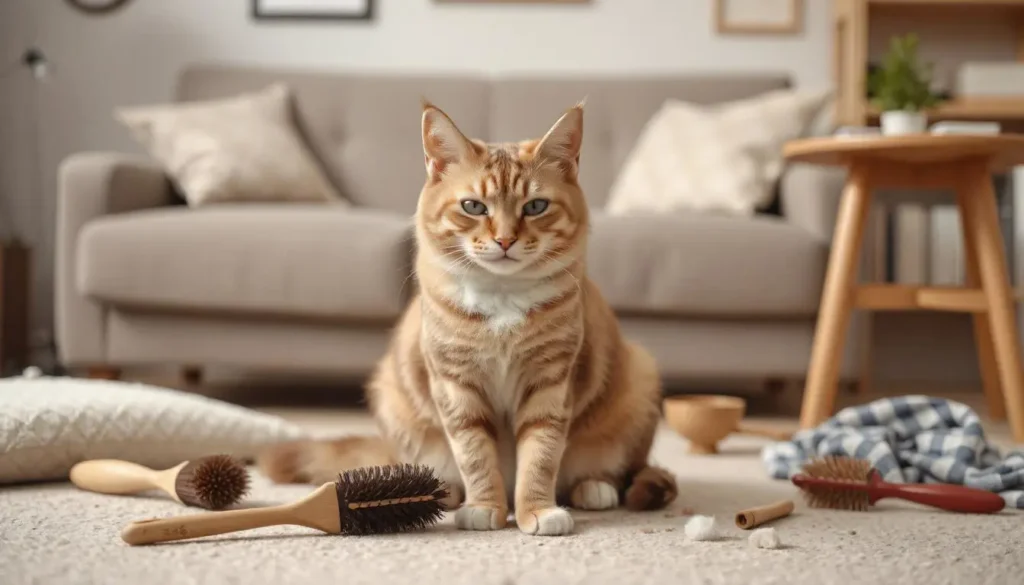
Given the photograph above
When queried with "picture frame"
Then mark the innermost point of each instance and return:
(757, 17)
(312, 9)
(97, 7)
(512, 1)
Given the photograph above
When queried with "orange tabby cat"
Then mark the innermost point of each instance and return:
(507, 373)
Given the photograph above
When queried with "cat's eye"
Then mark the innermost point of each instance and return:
(535, 207)
(474, 207)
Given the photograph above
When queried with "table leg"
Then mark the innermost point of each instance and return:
(987, 365)
(981, 214)
(836, 300)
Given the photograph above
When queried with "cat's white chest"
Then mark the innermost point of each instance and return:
(505, 308)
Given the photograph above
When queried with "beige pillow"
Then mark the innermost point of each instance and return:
(49, 424)
(720, 159)
(242, 148)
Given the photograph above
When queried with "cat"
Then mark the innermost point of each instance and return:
(507, 372)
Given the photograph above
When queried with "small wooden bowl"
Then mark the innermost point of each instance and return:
(704, 419)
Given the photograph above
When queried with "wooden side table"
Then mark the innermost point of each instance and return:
(964, 164)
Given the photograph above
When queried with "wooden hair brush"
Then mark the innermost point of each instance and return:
(210, 482)
(851, 484)
(368, 500)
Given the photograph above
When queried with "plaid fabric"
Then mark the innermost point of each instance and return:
(910, 439)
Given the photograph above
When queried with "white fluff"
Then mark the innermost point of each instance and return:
(701, 528)
(764, 538)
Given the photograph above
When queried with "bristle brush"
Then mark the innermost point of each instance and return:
(368, 500)
(213, 482)
(852, 484)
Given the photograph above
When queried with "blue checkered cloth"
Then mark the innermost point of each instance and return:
(909, 439)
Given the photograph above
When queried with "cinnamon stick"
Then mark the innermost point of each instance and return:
(754, 517)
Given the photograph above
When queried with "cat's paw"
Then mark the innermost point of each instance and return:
(474, 517)
(545, 522)
(594, 494)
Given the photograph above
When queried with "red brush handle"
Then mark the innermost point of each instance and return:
(954, 498)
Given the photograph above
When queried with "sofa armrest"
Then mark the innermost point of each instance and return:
(89, 186)
(810, 197)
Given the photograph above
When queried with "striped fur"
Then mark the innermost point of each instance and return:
(508, 373)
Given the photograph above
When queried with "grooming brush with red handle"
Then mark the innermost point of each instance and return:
(851, 484)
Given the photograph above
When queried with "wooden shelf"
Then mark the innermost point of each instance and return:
(976, 108)
(898, 297)
(852, 24)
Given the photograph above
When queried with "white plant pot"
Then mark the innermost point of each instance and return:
(897, 122)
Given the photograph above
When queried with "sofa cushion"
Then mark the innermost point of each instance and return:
(240, 148)
(706, 265)
(298, 260)
(618, 108)
(365, 127)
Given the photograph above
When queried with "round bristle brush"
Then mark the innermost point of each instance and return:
(369, 500)
(851, 484)
(210, 482)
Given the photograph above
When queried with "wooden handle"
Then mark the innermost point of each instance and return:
(760, 431)
(199, 525)
(953, 498)
(110, 476)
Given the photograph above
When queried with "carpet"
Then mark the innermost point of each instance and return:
(52, 533)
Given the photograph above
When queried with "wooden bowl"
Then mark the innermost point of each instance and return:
(704, 419)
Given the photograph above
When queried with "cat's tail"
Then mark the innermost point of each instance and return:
(652, 488)
(320, 461)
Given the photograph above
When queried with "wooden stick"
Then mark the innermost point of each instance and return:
(754, 517)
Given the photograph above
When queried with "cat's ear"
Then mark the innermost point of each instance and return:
(443, 143)
(562, 143)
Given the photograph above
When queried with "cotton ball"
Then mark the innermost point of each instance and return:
(764, 538)
(32, 372)
(701, 528)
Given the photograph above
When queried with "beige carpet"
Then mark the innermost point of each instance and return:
(54, 534)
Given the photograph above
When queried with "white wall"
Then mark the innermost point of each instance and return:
(133, 56)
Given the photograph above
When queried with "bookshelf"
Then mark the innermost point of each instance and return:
(934, 253)
(853, 21)
(975, 108)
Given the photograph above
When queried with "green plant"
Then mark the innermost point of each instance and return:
(902, 82)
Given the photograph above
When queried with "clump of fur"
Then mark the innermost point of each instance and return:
(765, 538)
(701, 528)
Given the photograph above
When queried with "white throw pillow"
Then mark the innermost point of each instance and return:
(242, 148)
(724, 158)
(49, 424)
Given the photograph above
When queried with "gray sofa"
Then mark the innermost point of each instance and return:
(143, 279)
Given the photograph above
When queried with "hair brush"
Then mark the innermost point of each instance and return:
(368, 500)
(852, 484)
(211, 482)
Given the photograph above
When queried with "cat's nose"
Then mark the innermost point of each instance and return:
(505, 243)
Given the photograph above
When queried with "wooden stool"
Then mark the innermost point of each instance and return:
(923, 161)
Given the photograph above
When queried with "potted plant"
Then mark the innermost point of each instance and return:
(901, 88)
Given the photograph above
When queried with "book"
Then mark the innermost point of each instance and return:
(947, 127)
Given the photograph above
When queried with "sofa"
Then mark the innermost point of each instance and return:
(143, 279)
